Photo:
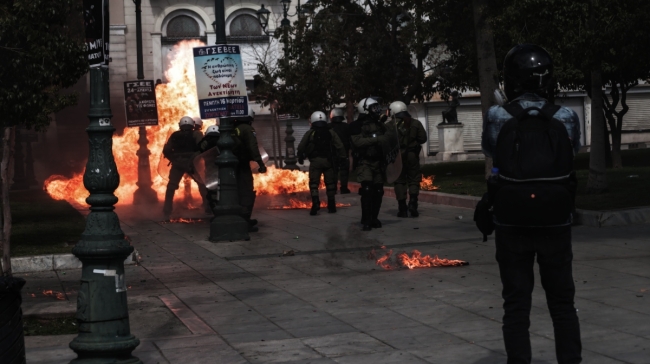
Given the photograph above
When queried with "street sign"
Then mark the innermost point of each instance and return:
(96, 22)
(140, 103)
(220, 83)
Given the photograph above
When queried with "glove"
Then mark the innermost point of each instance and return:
(262, 168)
(383, 118)
(301, 161)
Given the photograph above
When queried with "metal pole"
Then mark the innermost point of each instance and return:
(144, 193)
(228, 224)
(290, 161)
(102, 312)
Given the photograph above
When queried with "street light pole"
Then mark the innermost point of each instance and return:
(102, 313)
(227, 225)
(144, 193)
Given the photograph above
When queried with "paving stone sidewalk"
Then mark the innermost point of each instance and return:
(243, 302)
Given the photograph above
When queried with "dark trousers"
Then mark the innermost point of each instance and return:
(245, 188)
(516, 256)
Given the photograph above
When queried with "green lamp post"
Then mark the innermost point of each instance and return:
(227, 225)
(102, 312)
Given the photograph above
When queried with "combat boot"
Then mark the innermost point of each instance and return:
(403, 208)
(315, 205)
(331, 205)
(345, 190)
(413, 206)
(366, 208)
(376, 206)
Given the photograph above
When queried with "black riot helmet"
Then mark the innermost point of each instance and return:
(527, 68)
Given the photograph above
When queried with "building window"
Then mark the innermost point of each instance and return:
(245, 26)
(183, 26)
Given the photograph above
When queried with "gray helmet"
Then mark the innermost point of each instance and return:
(336, 113)
(318, 117)
(399, 110)
(197, 121)
(369, 105)
(212, 129)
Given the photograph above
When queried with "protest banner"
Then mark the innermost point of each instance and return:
(96, 23)
(140, 103)
(220, 83)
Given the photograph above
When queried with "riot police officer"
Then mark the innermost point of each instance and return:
(179, 150)
(198, 124)
(210, 139)
(322, 146)
(411, 135)
(341, 165)
(367, 134)
(246, 150)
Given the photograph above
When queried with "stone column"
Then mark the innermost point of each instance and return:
(450, 143)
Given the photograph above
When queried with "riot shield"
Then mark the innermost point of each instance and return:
(205, 170)
(413, 111)
(392, 155)
(164, 164)
(265, 157)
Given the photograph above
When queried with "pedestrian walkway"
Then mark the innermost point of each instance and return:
(303, 290)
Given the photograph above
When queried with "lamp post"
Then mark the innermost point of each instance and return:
(227, 225)
(102, 312)
(144, 193)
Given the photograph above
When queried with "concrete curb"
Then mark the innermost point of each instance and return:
(48, 262)
(640, 215)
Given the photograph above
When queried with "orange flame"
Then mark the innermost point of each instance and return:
(55, 294)
(415, 260)
(297, 204)
(427, 184)
(175, 99)
(185, 221)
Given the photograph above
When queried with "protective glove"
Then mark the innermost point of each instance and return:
(262, 168)
(383, 118)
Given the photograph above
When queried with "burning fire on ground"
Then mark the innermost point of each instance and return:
(388, 261)
(427, 184)
(182, 220)
(175, 99)
(56, 294)
(297, 204)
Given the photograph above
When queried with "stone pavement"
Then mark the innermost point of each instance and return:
(193, 301)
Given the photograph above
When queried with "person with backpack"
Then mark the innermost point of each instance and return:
(322, 146)
(342, 165)
(179, 150)
(530, 201)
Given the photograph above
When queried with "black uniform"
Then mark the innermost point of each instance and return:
(179, 150)
(367, 134)
(246, 150)
(208, 142)
(342, 165)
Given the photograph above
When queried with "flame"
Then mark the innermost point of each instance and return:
(175, 99)
(415, 260)
(55, 294)
(297, 204)
(182, 220)
(427, 184)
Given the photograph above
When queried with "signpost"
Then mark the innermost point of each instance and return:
(97, 28)
(140, 103)
(221, 91)
(220, 82)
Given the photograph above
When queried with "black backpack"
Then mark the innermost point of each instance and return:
(181, 142)
(321, 140)
(536, 182)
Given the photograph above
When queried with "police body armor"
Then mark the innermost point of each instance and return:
(320, 143)
(180, 148)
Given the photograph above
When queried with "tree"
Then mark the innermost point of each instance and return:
(594, 43)
(351, 51)
(42, 53)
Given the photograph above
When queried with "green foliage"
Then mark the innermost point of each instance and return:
(349, 53)
(42, 52)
